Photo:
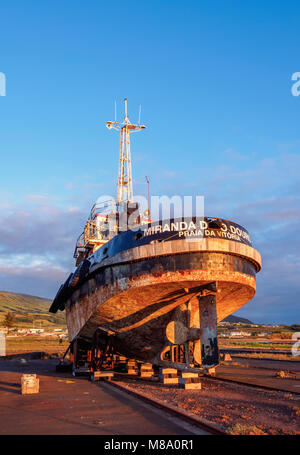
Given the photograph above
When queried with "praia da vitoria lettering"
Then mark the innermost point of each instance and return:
(200, 228)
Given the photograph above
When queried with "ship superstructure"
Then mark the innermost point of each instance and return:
(109, 218)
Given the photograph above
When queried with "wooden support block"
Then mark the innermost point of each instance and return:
(28, 389)
(168, 371)
(168, 380)
(132, 367)
(28, 377)
(29, 384)
(189, 383)
(191, 386)
(188, 374)
(146, 374)
(132, 371)
(146, 368)
(168, 376)
(96, 375)
(189, 380)
(121, 358)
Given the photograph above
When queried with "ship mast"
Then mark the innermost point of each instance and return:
(124, 193)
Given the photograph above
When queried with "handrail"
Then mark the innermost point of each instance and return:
(99, 207)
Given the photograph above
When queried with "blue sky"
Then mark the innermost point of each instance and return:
(214, 82)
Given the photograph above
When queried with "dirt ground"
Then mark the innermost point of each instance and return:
(22, 344)
(231, 405)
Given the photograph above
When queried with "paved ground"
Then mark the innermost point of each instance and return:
(232, 350)
(269, 364)
(67, 405)
(260, 376)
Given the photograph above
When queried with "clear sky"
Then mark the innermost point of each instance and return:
(214, 82)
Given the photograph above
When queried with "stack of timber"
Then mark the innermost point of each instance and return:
(168, 376)
(132, 367)
(120, 363)
(189, 380)
(146, 370)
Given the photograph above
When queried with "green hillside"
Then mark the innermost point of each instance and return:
(23, 303)
(29, 309)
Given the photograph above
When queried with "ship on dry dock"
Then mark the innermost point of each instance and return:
(153, 292)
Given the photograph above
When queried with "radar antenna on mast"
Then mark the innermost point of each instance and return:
(124, 193)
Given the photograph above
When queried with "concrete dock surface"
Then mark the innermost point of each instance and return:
(76, 406)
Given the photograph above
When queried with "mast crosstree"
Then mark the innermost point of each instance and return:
(124, 192)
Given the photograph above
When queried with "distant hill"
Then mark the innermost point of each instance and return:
(29, 309)
(10, 301)
(233, 319)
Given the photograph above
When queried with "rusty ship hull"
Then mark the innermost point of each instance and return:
(145, 289)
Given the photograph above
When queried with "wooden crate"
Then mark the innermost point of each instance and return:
(29, 384)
